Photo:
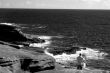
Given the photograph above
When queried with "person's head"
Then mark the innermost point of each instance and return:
(80, 54)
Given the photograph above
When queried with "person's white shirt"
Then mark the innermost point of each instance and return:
(84, 58)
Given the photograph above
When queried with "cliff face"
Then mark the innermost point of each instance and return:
(9, 33)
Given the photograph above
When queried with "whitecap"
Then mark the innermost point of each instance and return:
(40, 45)
(89, 53)
(6, 23)
(45, 37)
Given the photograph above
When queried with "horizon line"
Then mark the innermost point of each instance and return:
(51, 9)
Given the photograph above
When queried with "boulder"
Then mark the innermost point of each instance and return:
(21, 60)
(42, 62)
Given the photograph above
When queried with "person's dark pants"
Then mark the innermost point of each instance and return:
(79, 67)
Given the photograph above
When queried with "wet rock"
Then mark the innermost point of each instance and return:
(36, 40)
(9, 30)
(70, 50)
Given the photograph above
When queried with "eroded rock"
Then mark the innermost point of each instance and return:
(43, 62)
(21, 61)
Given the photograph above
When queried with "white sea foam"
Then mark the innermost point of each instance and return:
(89, 53)
(42, 45)
(45, 37)
(49, 37)
(46, 43)
(7, 23)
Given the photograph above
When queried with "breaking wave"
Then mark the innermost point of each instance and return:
(42, 45)
(90, 53)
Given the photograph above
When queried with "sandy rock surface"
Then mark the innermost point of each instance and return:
(14, 60)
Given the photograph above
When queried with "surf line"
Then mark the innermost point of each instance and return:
(90, 54)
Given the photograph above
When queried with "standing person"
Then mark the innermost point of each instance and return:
(80, 61)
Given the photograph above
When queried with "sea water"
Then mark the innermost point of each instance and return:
(64, 29)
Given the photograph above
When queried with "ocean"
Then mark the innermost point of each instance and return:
(65, 31)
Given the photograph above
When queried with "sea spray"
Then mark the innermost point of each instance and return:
(42, 45)
(45, 37)
(89, 53)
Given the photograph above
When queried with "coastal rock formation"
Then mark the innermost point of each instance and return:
(12, 34)
(43, 62)
(70, 50)
(14, 59)
(21, 61)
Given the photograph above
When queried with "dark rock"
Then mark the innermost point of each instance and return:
(36, 40)
(25, 64)
(70, 50)
(11, 33)
(15, 46)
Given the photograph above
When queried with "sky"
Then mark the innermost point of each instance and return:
(56, 4)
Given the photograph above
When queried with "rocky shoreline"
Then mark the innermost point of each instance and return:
(17, 57)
